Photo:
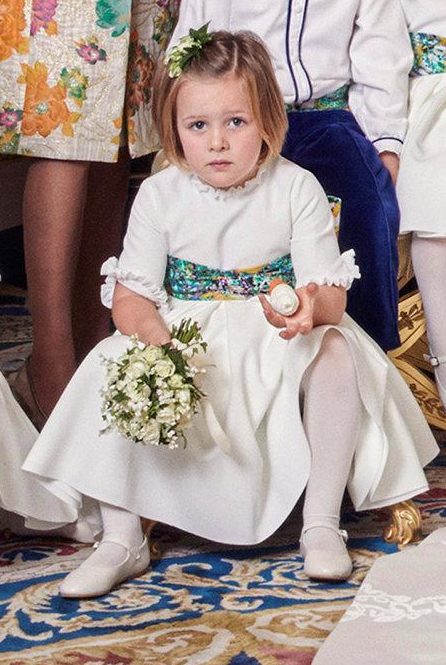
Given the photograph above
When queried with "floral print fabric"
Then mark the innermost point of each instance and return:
(337, 100)
(71, 73)
(192, 281)
(429, 54)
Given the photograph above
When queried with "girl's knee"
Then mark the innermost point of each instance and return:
(335, 352)
(335, 343)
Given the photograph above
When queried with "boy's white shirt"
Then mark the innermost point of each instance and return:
(317, 46)
(426, 16)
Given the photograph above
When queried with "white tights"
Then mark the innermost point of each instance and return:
(429, 262)
(332, 413)
(121, 529)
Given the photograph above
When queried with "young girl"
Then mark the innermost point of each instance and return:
(313, 406)
(423, 167)
(342, 66)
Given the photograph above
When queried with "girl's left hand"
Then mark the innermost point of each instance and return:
(299, 322)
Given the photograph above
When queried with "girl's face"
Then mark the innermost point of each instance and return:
(220, 140)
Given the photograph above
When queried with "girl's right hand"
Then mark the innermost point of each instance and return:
(136, 314)
(156, 333)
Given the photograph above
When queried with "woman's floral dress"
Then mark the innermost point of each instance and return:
(71, 73)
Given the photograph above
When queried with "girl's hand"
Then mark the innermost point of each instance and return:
(156, 333)
(301, 321)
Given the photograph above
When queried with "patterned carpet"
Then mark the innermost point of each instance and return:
(200, 603)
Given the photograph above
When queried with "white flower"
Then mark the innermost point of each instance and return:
(112, 373)
(167, 415)
(164, 368)
(176, 381)
(152, 353)
(151, 432)
(136, 369)
(183, 395)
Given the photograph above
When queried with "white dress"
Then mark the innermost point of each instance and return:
(21, 493)
(420, 185)
(253, 381)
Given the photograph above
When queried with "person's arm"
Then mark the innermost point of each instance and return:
(137, 315)
(381, 59)
(392, 163)
(322, 274)
(134, 286)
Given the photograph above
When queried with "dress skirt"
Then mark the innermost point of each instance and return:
(243, 493)
(21, 492)
(420, 185)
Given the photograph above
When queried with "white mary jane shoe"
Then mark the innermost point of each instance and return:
(436, 361)
(96, 579)
(326, 565)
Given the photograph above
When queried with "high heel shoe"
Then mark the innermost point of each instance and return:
(435, 362)
(321, 564)
(96, 578)
(25, 394)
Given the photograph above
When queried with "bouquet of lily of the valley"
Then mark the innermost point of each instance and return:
(150, 393)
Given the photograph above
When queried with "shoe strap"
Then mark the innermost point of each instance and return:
(434, 361)
(340, 532)
(128, 549)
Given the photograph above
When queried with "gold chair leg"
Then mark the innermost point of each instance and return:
(405, 526)
(147, 527)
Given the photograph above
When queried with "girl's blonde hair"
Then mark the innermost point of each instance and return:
(242, 54)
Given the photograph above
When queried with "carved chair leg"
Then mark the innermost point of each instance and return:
(147, 527)
(405, 526)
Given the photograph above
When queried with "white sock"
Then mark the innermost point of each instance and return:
(429, 263)
(332, 413)
(123, 529)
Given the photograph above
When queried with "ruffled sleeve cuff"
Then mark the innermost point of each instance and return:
(133, 281)
(341, 273)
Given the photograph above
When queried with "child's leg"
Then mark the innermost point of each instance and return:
(332, 409)
(122, 553)
(429, 262)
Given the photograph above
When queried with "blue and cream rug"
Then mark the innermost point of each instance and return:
(199, 604)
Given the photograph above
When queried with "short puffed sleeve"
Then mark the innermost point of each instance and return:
(314, 246)
(142, 264)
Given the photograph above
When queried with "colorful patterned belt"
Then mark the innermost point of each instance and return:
(337, 100)
(193, 281)
(429, 54)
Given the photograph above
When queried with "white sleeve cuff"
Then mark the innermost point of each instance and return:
(341, 273)
(388, 144)
(135, 282)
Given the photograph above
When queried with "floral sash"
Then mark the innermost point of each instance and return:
(337, 100)
(193, 281)
(429, 54)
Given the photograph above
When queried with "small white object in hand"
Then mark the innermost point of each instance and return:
(284, 299)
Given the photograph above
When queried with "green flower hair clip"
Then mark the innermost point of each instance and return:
(188, 48)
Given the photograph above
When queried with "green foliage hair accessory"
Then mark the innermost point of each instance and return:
(188, 48)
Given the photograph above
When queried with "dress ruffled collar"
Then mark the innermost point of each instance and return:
(222, 194)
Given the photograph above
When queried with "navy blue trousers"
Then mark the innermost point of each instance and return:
(332, 146)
